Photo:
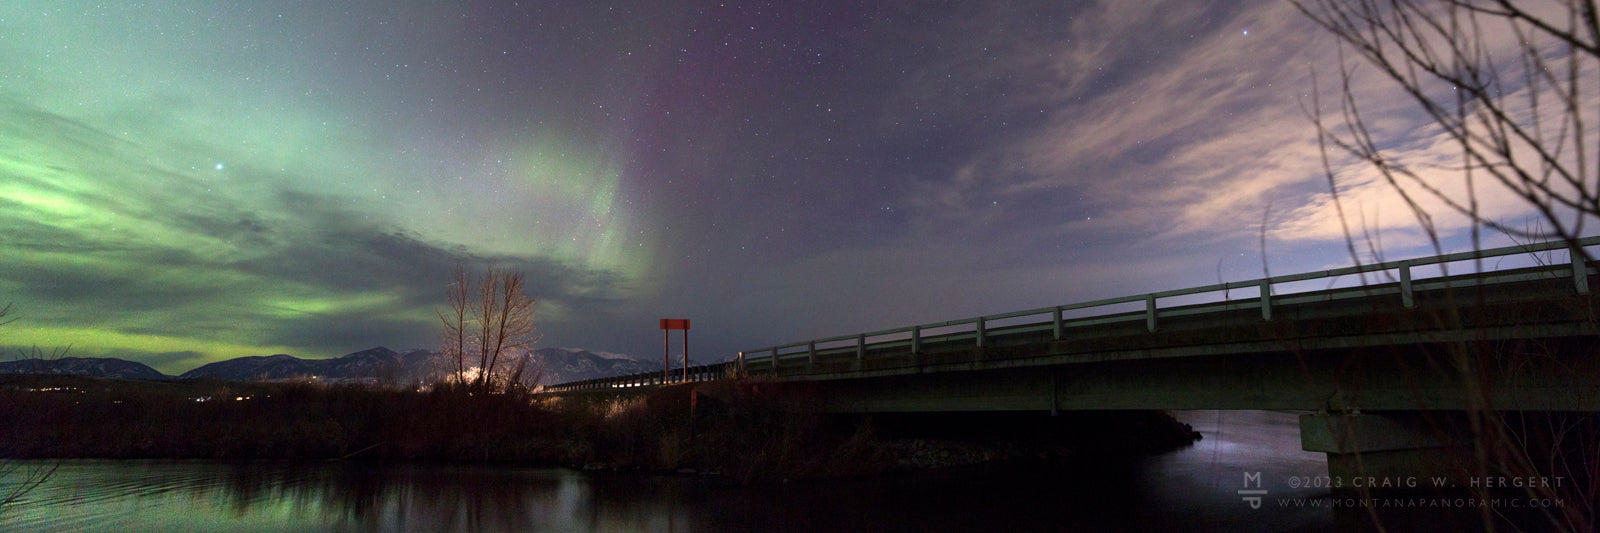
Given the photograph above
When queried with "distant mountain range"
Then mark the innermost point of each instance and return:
(380, 364)
(85, 366)
(375, 365)
(562, 365)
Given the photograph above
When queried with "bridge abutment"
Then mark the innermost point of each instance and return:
(1389, 450)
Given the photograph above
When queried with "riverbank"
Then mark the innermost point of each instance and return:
(1192, 488)
(728, 429)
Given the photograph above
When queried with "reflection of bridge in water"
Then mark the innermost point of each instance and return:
(1391, 341)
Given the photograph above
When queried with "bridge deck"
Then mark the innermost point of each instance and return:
(1539, 302)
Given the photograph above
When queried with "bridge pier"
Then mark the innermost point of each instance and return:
(1388, 450)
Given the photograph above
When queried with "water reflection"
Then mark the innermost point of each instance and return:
(1190, 489)
(182, 495)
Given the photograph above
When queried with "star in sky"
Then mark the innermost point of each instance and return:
(773, 172)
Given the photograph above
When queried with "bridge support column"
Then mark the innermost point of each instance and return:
(1388, 450)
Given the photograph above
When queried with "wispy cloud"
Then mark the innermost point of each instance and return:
(1156, 133)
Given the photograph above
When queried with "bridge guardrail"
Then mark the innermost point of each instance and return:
(693, 374)
(773, 356)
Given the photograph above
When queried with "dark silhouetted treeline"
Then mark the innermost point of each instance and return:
(731, 429)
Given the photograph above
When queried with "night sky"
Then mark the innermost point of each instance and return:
(188, 181)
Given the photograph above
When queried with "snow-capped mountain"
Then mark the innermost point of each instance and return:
(375, 365)
(562, 365)
(85, 366)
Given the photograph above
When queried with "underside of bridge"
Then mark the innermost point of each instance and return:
(1374, 372)
(1383, 398)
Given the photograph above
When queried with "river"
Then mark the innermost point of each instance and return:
(1197, 488)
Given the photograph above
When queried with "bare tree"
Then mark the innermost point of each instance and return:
(25, 477)
(1519, 122)
(488, 327)
(452, 359)
(1514, 88)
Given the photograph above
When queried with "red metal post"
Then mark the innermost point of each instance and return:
(667, 325)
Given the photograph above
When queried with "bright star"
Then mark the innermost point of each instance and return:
(219, 166)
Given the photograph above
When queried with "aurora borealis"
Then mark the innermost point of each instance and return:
(188, 181)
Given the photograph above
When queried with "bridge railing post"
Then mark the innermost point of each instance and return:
(774, 359)
(979, 329)
(811, 355)
(861, 349)
(1266, 299)
(1580, 269)
(1150, 312)
(1407, 298)
(916, 344)
(1055, 319)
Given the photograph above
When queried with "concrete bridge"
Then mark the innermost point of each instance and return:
(1367, 357)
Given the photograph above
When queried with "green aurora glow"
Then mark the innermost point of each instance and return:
(187, 181)
(171, 178)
